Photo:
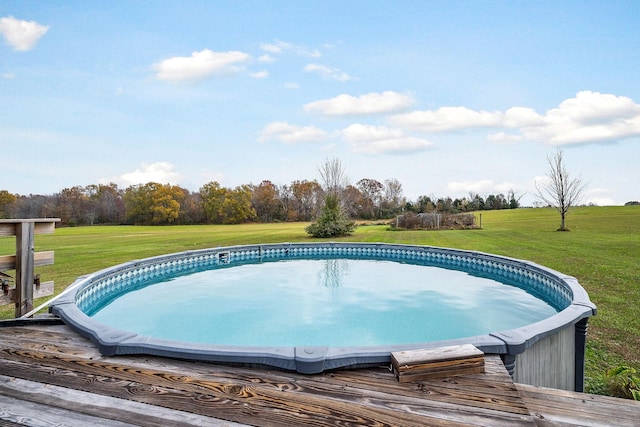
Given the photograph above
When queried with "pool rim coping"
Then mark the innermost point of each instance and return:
(310, 359)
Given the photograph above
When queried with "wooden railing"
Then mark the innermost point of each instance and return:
(27, 284)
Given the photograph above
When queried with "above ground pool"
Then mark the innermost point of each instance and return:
(312, 307)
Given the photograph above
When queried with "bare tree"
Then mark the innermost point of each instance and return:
(393, 199)
(332, 175)
(560, 190)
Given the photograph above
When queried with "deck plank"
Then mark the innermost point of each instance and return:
(20, 412)
(559, 407)
(54, 356)
(50, 367)
(110, 411)
(236, 402)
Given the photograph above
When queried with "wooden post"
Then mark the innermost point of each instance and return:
(24, 268)
(25, 260)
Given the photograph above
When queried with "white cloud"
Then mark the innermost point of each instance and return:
(160, 172)
(292, 85)
(371, 103)
(503, 138)
(266, 58)
(200, 65)
(279, 47)
(276, 47)
(589, 117)
(446, 119)
(260, 74)
(328, 73)
(521, 116)
(21, 35)
(290, 134)
(601, 201)
(380, 139)
(483, 186)
(600, 196)
(8, 76)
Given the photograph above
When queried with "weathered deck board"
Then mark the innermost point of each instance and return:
(552, 407)
(50, 368)
(443, 362)
(23, 412)
(340, 385)
(22, 397)
(234, 400)
(53, 355)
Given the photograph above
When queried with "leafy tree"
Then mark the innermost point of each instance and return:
(237, 208)
(34, 206)
(191, 211)
(444, 204)
(153, 203)
(477, 201)
(494, 202)
(514, 201)
(351, 198)
(302, 200)
(461, 205)
(371, 192)
(560, 190)
(307, 198)
(225, 206)
(107, 203)
(425, 204)
(7, 200)
(165, 203)
(137, 203)
(266, 201)
(73, 206)
(213, 197)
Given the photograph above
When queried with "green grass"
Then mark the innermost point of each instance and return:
(602, 251)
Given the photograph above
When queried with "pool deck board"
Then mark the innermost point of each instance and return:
(50, 375)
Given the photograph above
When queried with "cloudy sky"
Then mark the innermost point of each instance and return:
(447, 97)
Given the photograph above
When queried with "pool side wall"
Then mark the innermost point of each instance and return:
(549, 362)
(549, 353)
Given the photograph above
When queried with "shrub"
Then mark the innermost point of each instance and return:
(332, 222)
(622, 381)
(423, 221)
(466, 220)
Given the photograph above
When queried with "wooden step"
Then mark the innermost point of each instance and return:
(418, 365)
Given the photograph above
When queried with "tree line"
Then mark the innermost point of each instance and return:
(162, 204)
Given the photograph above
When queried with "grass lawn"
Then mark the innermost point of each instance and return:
(602, 251)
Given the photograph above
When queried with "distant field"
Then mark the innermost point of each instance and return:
(602, 251)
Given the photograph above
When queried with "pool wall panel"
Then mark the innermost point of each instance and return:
(549, 362)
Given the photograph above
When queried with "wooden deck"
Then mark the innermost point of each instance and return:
(51, 376)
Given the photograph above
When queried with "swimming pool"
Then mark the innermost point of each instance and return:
(567, 305)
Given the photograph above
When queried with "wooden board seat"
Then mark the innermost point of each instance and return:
(417, 365)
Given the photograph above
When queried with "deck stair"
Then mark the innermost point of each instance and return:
(441, 362)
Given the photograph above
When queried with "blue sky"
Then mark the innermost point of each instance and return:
(447, 97)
